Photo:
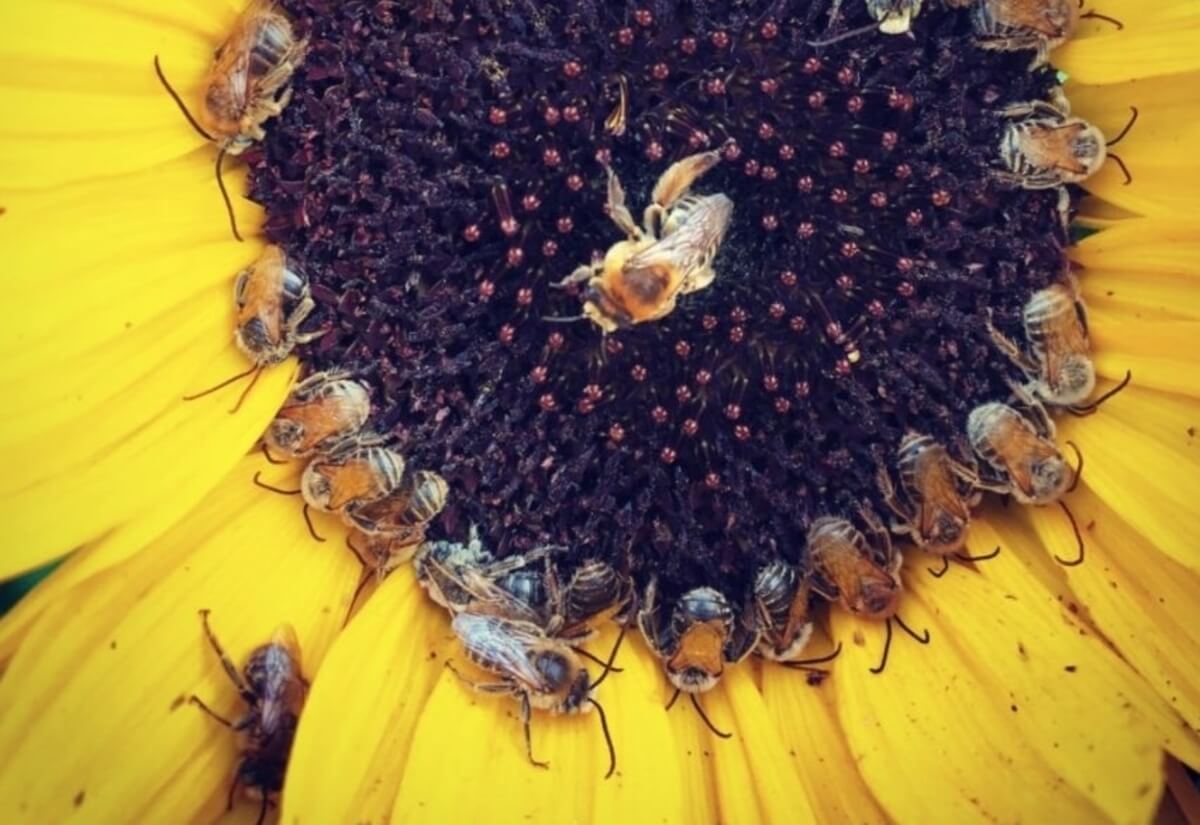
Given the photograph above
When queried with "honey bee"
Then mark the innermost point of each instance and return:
(381, 555)
(272, 300)
(782, 604)
(355, 474)
(671, 254)
(940, 493)
(888, 16)
(1058, 364)
(461, 576)
(414, 503)
(320, 411)
(1031, 467)
(273, 689)
(247, 84)
(1018, 25)
(537, 669)
(864, 578)
(595, 593)
(1044, 147)
(701, 636)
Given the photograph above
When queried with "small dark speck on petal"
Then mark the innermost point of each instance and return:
(1070, 668)
(178, 702)
(79, 798)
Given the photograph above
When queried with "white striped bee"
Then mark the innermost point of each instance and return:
(1022, 452)
(1043, 147)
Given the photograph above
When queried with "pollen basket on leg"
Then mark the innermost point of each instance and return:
(665, 285)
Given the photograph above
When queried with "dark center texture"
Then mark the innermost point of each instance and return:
(440, 168)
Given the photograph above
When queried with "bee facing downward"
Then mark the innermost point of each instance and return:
(247, 83)
(671, 254)
(273, 689)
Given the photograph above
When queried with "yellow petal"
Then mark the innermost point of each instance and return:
(1146, 268)
(807, 721)
(356, 730)
(108, 668)
(1140, 599)
(1151, 49)
(1140, 458)
(987, 714)
(490, 753)
(1158, 150)
(139, 314)
(1161, 355)
(90, 103)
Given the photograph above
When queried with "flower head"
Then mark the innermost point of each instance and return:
(434, 176)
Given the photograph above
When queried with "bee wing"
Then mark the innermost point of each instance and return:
(501, 646)
(487, 597)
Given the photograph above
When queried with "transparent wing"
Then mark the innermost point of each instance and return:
(501, 646)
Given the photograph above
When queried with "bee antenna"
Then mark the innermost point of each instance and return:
(674, 696)
(179, 102)
(1078, 467)
(223, 385)
(312, 531)
(262, 446)
(937, 574)
(258, 482)
(225, 196)
(816, 44)
(1124, 168)
(1097, 16)
(608, 666)
(700, 710)
(1078, 560)
(1092, 406)
(362, 582)
(887, 646)
(245, 392)
(984, 557)
(612, 752)
(921, 638)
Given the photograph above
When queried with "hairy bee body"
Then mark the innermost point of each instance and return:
(781, 598)
(1044, 148)
(320, 411)
(1018, 25)
(846, 568)
(936, 488)
(351, 476)
(1031, 467)
(413, 503)
(272, 300)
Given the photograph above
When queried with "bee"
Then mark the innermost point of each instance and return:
(382, 554)
(888, 16)
(273, 688)
(700, 637)
(595, 593)
(1043, 147)
(248, 83)
(939, 494)
(414, 503)
(272, 299)
(436, 564)
(357, 473)
(539, 670)
(1031, 467)
(1058, 365)
(864, 578)
(1019, 25)
(671, 254)
(782, 596)
(461, 576)
(320, 411)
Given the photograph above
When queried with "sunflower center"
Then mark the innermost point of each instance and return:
(440, 169)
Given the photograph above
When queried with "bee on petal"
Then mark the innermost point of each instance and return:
(320, 411)
(247, 84)
(273, 688)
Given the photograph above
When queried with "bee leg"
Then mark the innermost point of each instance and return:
(526, 717)
(198, 702)
(937, 574)
(262, 810)
(230, 669)
(233, 786)
(1010, 349)
(267, 454)
(888, 491)
(581, 274)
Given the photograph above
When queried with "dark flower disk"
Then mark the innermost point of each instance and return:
(440, 169)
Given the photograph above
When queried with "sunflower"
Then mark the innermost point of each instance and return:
(1061, 693)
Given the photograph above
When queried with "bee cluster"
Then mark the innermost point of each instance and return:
(846, 313)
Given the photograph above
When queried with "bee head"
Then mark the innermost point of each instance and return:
(878, 598)
(693, 679)
(948, 533)
(601, 311)
(1050, 478)
(284, 435)
(1076, 381)
(1089, 147)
